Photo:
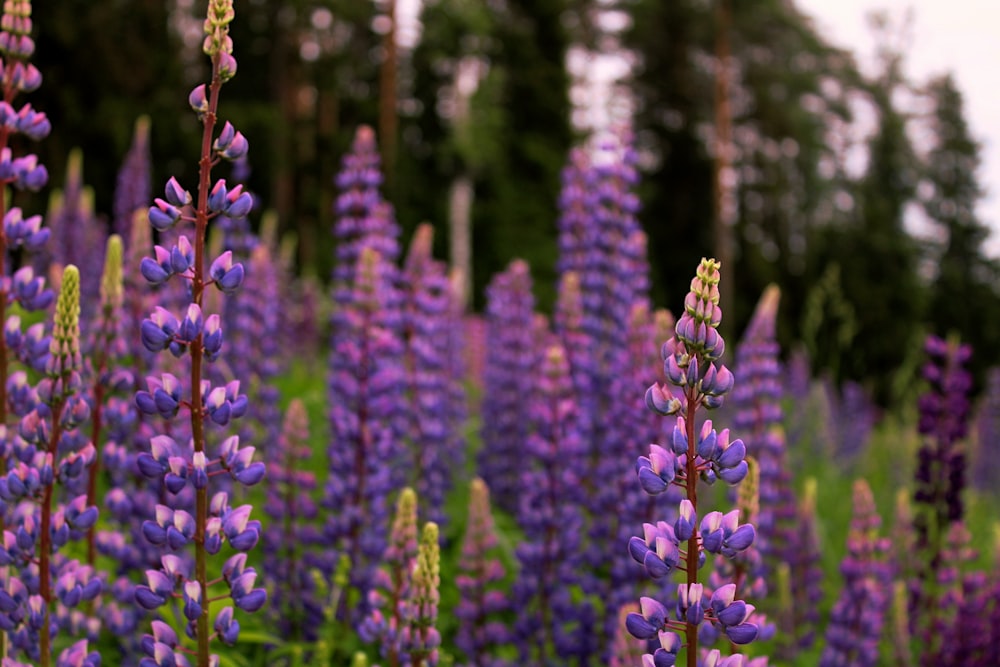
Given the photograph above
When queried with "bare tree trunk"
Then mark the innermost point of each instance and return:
(460, 198)
(388, 121)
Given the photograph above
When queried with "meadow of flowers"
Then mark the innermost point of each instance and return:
(182, 484)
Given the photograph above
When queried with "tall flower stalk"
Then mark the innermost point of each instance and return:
(178, 465)
(690, 363)
(480, 573)
(107, 347)
(17, 75)
(51, 453)
(940, 477)
(856, 620)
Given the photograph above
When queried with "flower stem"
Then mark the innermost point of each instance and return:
(45, 541)
(197, 411)
(691, 630)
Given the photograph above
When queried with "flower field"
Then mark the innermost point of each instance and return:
(207, 459)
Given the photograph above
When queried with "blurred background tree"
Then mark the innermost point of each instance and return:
(490, 95)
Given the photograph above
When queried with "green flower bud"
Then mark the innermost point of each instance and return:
(748, 498)
(217, 40)
(427, 577)
(65, 345)
(403, 538)
(112, 291)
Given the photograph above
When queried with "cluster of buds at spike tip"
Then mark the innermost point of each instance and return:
(694, 455)
(217, 41)
(15, 30)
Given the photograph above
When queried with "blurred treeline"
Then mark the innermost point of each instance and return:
(485, 96)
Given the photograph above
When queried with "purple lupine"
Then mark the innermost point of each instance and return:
(690, 363)
(41, 527)
(387, 600)
(254, 317)
(745, 570)
(426, 318)
(133, 188)
(105, 349)
(116, 429)
(758, 417)
(805, 573)
(991, 593)
(940, 475)
(550, 624)
(781, 538)
(510, 361)
(364, 218)
(855, 627)
(364, 398)
(601, 243)
(78, 236)
(186, 467)
(960, 621)
(856, 416)
(139, 296)
(421, 638)
(647, 330)
(403, 602)
(293, 602)
(481, 602)
(985, 465)
(18, 76)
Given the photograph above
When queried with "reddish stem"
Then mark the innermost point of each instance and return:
(197, 416)
(692, 494)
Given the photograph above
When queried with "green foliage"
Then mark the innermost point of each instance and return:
(829, 324)
(513, 141)
(963, 297)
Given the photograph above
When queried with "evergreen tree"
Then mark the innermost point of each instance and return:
(789, 91)
(878, 258)
(964, 274)
(515, 136)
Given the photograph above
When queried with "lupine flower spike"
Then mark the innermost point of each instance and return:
(481, 603)
(182, 467)
(422, 637)
(57, 455)
(690, 363)
(386, 622)
(856, 620)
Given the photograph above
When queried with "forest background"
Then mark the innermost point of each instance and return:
(742, 114)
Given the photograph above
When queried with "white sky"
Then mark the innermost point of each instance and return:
(961, 36)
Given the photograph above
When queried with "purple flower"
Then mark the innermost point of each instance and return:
(211, 520)
(690, 363)
(855, 626)
(481, 631)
